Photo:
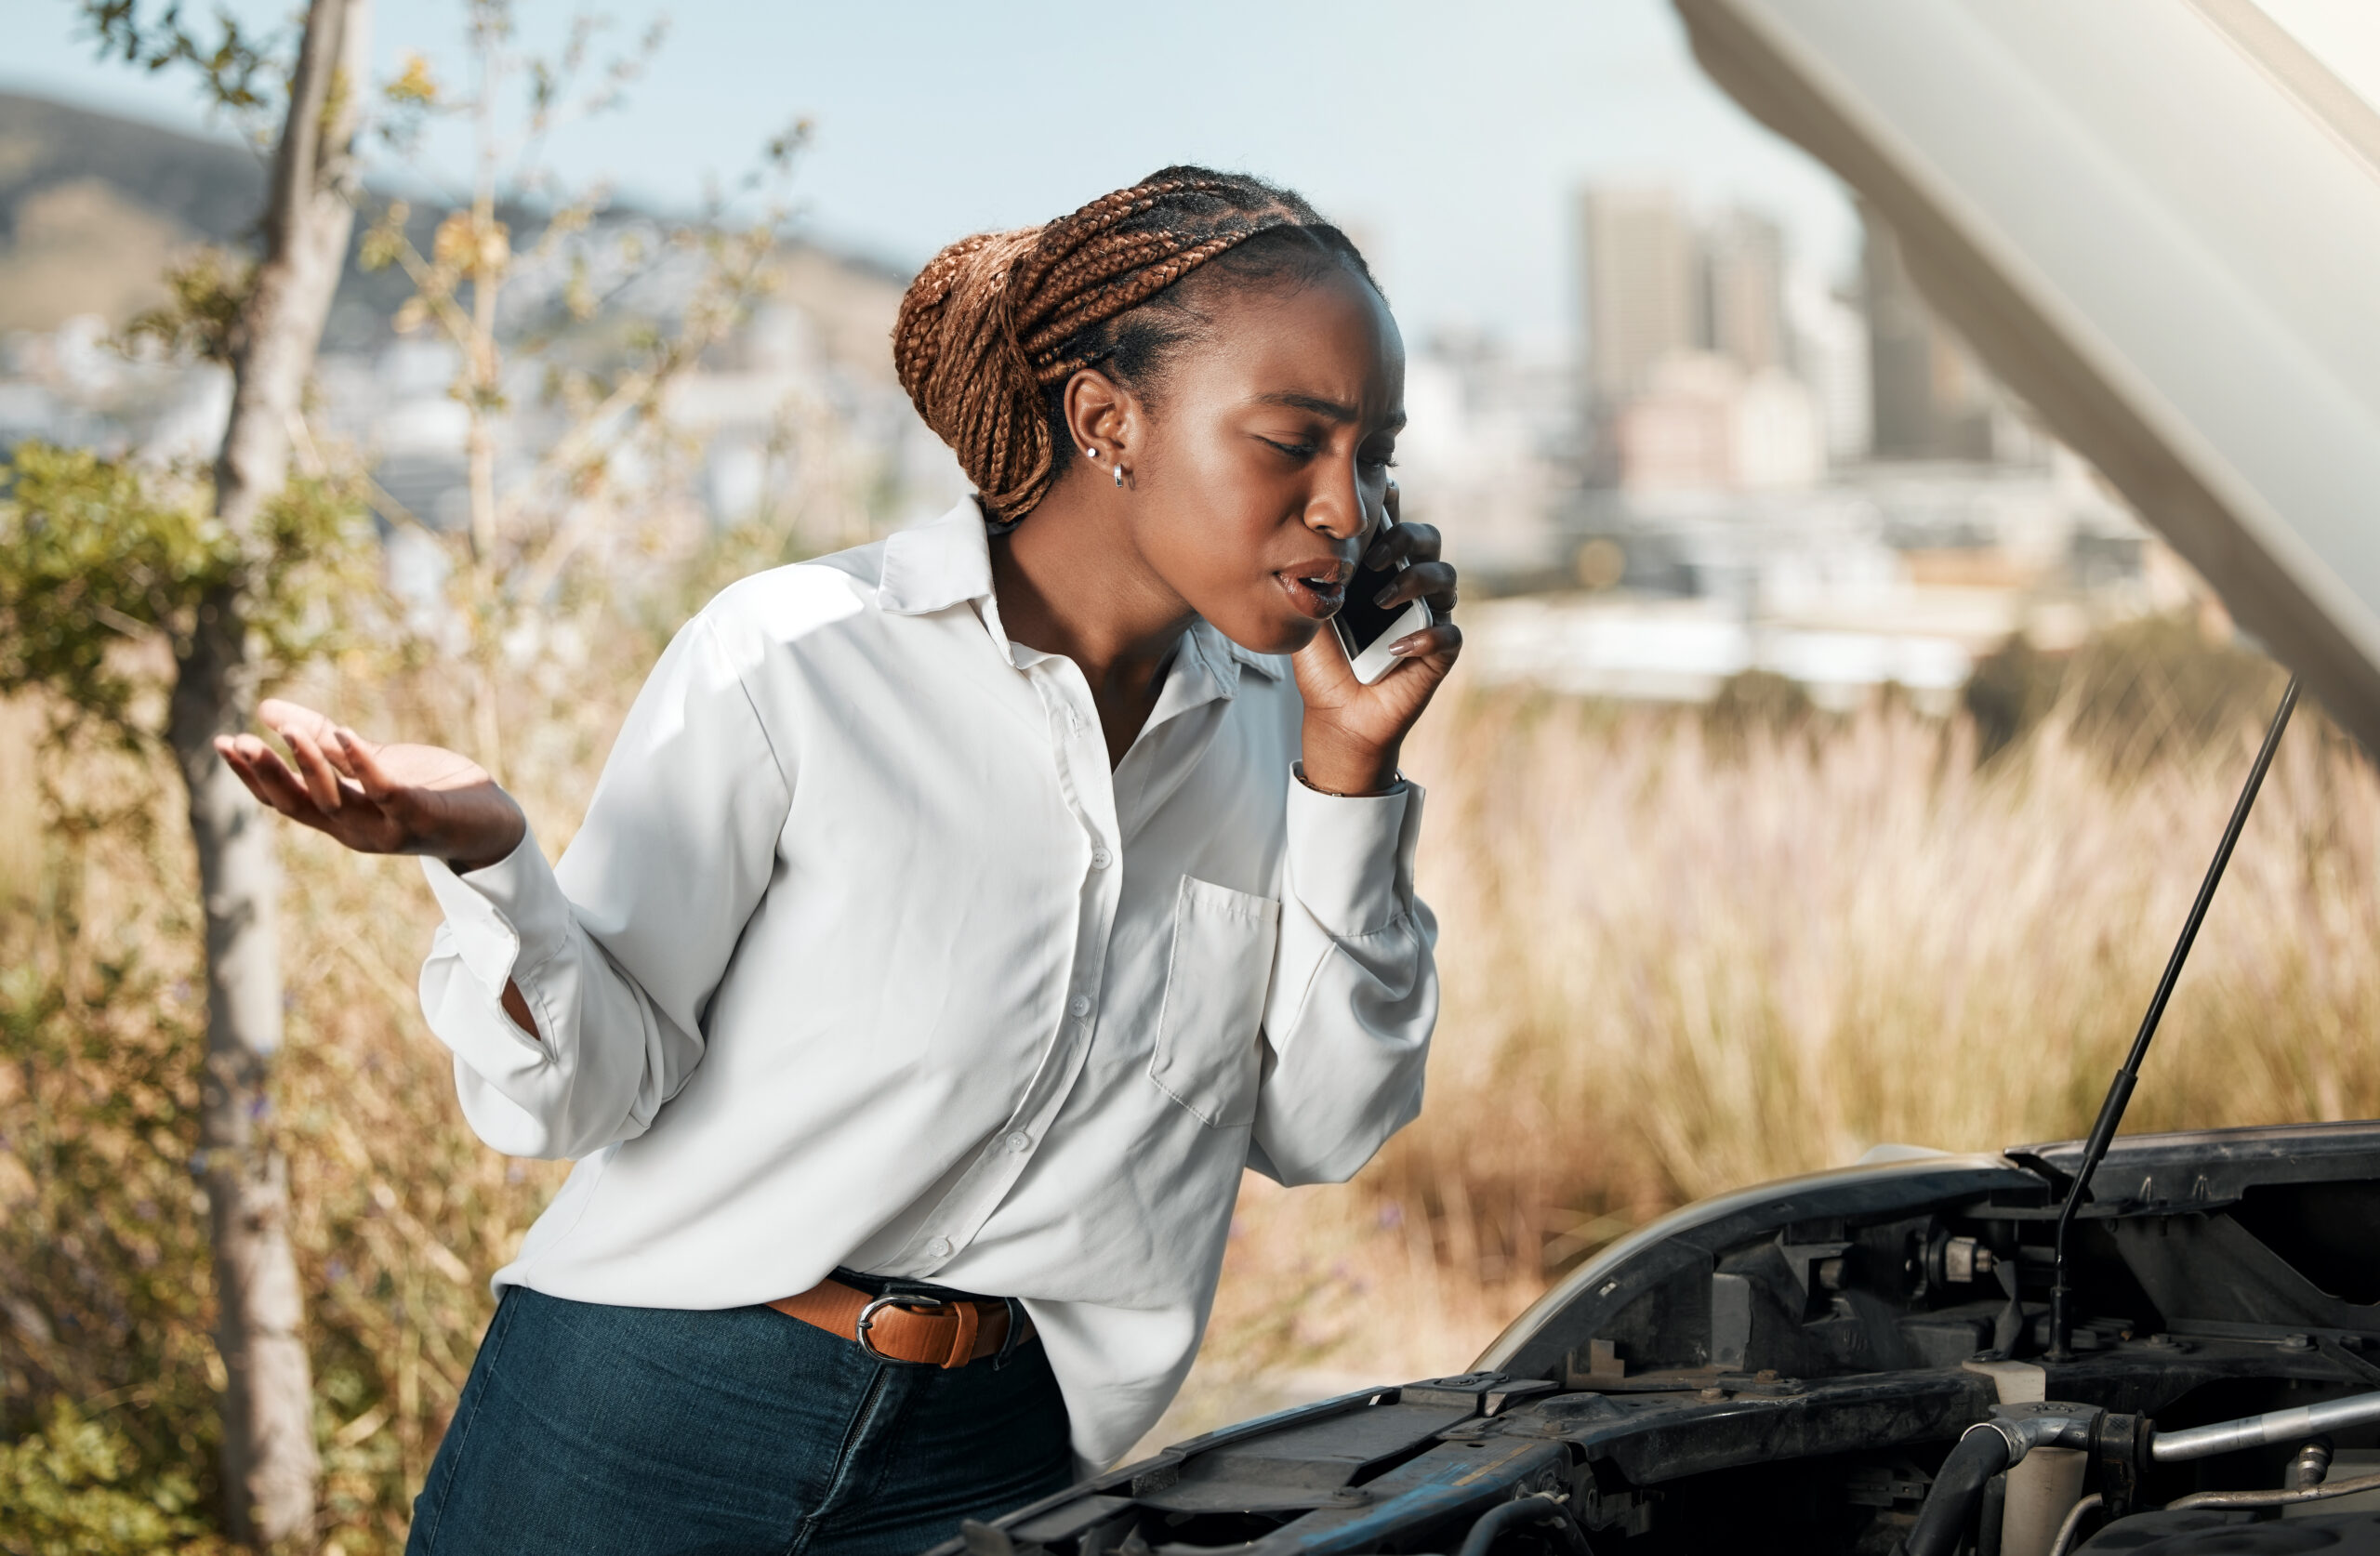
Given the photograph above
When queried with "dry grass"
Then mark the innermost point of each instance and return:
(400, 1215)
(1674, 960)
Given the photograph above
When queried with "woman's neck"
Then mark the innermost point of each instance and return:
(1071, 581)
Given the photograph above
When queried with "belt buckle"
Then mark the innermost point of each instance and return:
(913, 1301)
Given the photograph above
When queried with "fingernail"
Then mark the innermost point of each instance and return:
(1382, 598)
(1403, 648)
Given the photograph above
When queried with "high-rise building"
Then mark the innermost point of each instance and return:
(1743, 292)
(1636, 255)
(1931, 399)
(1831, 355)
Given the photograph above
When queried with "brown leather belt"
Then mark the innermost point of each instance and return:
(907, 1325)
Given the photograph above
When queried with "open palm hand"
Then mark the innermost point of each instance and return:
(376, 798)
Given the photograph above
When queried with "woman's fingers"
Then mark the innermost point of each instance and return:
(1431, 581)
(362, 764)
(1415, 543)
(230, 752)
(268, 777)
(334, 751)
(1444, 638)
(322, 782)
(306, 733)
(284, 717)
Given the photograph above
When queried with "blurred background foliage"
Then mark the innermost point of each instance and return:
(2139, 692)
(101, 559)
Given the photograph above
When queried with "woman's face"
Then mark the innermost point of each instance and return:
(1264, 462)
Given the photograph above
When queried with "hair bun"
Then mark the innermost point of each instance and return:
(955, 348)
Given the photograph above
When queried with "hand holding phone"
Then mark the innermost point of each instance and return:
(1356, 713)
(1365, 629)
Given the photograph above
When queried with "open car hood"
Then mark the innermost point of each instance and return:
(2160, 223)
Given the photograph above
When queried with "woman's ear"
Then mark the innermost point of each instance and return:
(1103, 417)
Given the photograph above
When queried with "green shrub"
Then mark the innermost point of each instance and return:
(74, 1488)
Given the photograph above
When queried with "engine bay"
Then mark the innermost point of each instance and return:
(1859, 1362)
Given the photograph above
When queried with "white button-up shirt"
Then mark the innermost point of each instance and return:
(864, 956)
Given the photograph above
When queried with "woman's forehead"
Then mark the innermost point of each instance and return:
(1328, 346)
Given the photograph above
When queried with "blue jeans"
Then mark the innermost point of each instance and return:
(593, 1431)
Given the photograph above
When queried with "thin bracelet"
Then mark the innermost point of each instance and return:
(1395, 782)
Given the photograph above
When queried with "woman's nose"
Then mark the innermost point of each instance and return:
(1337, 509)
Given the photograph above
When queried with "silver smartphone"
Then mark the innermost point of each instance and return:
(1366, 631)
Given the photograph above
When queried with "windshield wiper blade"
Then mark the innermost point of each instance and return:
(2061, 1295)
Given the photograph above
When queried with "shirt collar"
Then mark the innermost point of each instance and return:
(936, 565)
(948, 562)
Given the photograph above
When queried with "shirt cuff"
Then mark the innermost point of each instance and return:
(509, 916)
(1351, 856)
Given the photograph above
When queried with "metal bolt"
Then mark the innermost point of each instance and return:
(2312, 1465)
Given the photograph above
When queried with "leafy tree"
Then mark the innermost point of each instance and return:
(153, 605)
(83, 531)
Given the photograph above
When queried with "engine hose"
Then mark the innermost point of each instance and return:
(1539, 1509)
(1950, 1502)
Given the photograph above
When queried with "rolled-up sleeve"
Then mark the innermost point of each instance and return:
(1355, 989)
(617, 950)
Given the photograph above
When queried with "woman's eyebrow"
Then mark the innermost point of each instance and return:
(1333, 409)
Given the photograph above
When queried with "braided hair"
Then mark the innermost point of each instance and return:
(993, 328)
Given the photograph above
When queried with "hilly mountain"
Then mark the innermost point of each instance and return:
(92, 206)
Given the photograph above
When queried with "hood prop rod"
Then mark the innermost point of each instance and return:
(2103, 1133)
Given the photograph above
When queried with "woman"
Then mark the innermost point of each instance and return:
(956, 919)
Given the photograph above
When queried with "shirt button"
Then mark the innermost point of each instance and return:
(1079, 1005)
(1101, 859)
(938, 1248)
(1019, 1141)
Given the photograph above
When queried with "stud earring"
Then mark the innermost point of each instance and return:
(1090, 453)
(1119, 475)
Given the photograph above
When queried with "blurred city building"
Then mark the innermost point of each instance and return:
(1487, 452)
(1638, 289)
(1778, 473)
(1743, 292)
(1932, 399)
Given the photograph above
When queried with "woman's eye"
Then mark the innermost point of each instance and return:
(1295, 450)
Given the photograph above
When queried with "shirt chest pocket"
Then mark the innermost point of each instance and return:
(1209, 1040)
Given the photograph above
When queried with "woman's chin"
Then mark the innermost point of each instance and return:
(1274, 635)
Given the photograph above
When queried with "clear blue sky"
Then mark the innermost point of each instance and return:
(1447, 137)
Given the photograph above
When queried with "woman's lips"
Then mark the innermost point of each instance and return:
(1318, 594)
